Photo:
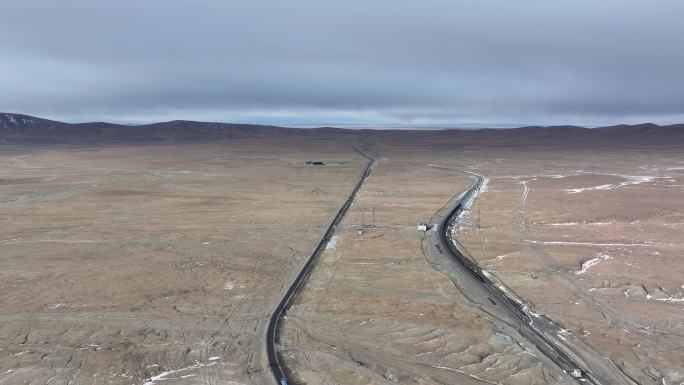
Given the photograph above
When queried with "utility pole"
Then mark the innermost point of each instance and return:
(478, 217)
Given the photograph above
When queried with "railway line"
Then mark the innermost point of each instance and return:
(478, 286)
(278, 370)
(493, 298)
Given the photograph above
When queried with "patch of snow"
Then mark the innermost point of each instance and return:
(230, 285)
(586, 265)
(536, 176)
(581, 189)
(578, 223)
(332, 243)
(526, 191)
(527, 310)
(630, 181)
(591, 244)
(485, 184)
(215, 358)
(163, 376)
(458, 371)
(508, 293)
(500, 257)
(670, 299)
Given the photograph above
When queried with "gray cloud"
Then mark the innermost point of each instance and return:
(327, 62)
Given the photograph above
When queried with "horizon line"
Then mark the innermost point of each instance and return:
(354, 126)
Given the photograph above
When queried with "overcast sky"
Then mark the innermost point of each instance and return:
(364, 62)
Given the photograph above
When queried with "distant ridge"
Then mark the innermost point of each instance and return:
(25, 129)
(17, 128)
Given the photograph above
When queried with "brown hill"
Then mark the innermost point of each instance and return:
(18, 129)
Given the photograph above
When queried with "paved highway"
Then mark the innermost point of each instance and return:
(492, 297)
(279, 373)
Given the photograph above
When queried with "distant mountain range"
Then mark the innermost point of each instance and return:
(24, 129)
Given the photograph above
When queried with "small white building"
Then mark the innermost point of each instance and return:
(422, 227)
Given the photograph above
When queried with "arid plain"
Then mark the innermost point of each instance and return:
(160, 263)
(126, 264)
(593, 240)
(590, 239)
(380, 310)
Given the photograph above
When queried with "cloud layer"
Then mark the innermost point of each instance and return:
(345, 62)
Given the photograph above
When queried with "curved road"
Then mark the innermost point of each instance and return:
(272, 331)
(493, 298)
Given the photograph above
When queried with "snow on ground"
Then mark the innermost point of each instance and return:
(670, 299)
(230, 285)
(466, 207)
(526, 191)
(163, 376)
(332, 243)
(537, 176)
(501, 287)
(594, 244)
(579, 223)
(485, 183)
(500, 257)
(581, 189)
(467, 204)
(630, 181)
(586, 265)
